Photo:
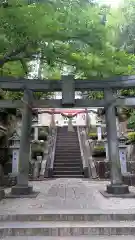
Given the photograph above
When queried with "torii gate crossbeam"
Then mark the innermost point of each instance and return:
(18, 84)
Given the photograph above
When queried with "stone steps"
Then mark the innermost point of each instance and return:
(64, 148)
(67, 176)
(68, 163)
(67, 172)
(74, 151)
(70, 168)
(67, 154)
(69, 228)
(129, 237)
(76, 215)
(67, 138)
(71, 164)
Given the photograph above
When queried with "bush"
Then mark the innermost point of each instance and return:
(99, 148)
(98, 151)
(92, 135)
(131, 122)
(131, 136)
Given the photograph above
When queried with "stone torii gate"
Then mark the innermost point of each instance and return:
(68, 85)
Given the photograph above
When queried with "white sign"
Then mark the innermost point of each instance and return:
(15, 161)
(123, 161)
(99, 133)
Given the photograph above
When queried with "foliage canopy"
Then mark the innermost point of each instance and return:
(79, 36)
(60, 33)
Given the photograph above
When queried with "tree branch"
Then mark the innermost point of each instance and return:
(24, 65)
(7, 57)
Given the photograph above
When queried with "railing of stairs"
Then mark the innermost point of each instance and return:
(51, 153)
(89, 168)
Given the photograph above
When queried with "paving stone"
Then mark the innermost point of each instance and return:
(67, 195)
(76, 207)
(73, 238)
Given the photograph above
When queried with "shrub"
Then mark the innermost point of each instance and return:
(99, 148)
(131, 136)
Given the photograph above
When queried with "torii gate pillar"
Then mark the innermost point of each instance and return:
(116, 187)
(22, 188)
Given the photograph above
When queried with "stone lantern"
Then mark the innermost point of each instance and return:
(14, 142)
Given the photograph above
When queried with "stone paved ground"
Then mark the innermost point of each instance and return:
(67, 194)
(74, 238)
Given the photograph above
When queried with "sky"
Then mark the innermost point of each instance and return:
(113, 3)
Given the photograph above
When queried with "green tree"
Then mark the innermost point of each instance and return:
(61, 33)
(46, 28)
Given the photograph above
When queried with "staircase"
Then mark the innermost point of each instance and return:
(67, 162)
(67, 226)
